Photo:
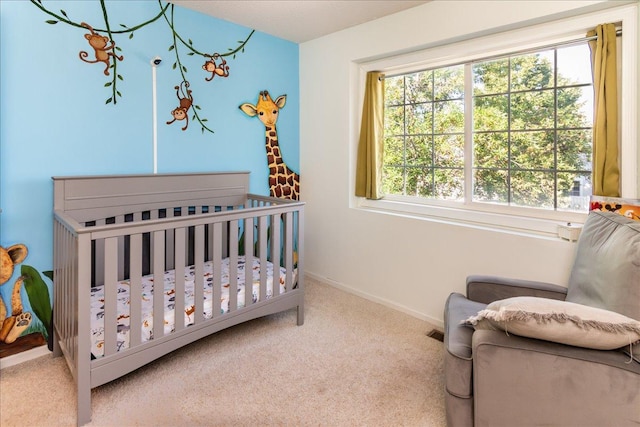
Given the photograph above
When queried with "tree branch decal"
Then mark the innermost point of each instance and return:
(101, 40)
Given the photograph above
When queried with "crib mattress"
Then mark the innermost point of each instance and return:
(123, 292)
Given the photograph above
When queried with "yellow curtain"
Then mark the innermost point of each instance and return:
(371, 143)
(606, 173)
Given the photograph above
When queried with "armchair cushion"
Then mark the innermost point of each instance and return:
(559, 321)
(606, 272)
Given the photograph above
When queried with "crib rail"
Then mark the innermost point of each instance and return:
(260, 232)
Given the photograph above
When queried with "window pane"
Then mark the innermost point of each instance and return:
(394, 120)
(490, 186)
(418, 151)
(419, 182)
(394, 90)
(449, 83)
(419, 87)
(575, 107)
(490, 113)
(394, 150)
(393, 180)
(419, 118)
(533, 71)
(491, 150)
(574, 65)
(532, 189)
(532, 150)
(532, 110)
(574, 190)
(449, 116)
(491, 77)
(449, 184)
(574, 150)
(449, 151)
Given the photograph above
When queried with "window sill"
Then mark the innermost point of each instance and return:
(470, 216)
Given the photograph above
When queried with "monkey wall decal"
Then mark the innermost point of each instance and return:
(221, 69)
(105, 50)
(181, 112)
(102, 50)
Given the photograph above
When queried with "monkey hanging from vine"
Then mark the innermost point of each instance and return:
(215, 69)
(181, 112)
(102, 50)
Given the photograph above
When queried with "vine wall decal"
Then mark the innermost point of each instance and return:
(105, 51)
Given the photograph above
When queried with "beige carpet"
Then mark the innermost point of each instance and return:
(353, 363)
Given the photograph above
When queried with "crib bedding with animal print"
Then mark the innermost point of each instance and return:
(123, 292)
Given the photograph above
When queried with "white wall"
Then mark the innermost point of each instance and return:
(409, 263)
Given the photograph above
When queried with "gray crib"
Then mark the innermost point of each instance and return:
(119, 238)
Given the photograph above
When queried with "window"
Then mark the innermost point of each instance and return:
(424, 134)
(474, 137)
(529, 126)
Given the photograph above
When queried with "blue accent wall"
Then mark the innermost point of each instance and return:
(54, 120)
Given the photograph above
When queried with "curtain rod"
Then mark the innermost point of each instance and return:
(517, 52)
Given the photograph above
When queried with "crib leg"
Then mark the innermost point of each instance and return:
(57, 350)
(84, 407)
(83, 388)
(301, 313)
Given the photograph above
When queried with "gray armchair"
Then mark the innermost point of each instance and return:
(493, 378)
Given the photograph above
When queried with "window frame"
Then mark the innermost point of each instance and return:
(513, 218)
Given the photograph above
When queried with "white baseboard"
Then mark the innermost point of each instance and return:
(24, 356)
(438, 323)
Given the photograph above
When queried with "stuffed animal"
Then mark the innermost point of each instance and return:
(12, 326)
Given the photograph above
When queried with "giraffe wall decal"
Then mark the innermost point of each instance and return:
(283, 182)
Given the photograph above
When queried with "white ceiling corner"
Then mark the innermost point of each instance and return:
(298, 21)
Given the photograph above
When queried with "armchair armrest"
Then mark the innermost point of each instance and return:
(486, 289)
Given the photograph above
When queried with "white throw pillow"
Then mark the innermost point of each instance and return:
(558, 321)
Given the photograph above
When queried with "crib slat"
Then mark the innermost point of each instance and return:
(198, 283)
(110, 295)
(81, 338)
(262, 241)
(248, 266)
(61, 288)
(179, 295)
(217, 268)
(74, 327)
(62, 283)
(288, 250)
(158, 284)
(233, 265)
(184, 211)
(135, 291)
(275, 253)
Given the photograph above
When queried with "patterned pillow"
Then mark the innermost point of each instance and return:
(626, 207)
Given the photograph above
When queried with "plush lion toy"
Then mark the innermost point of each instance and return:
(12, 326)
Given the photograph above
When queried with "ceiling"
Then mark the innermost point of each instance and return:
(298, 21)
